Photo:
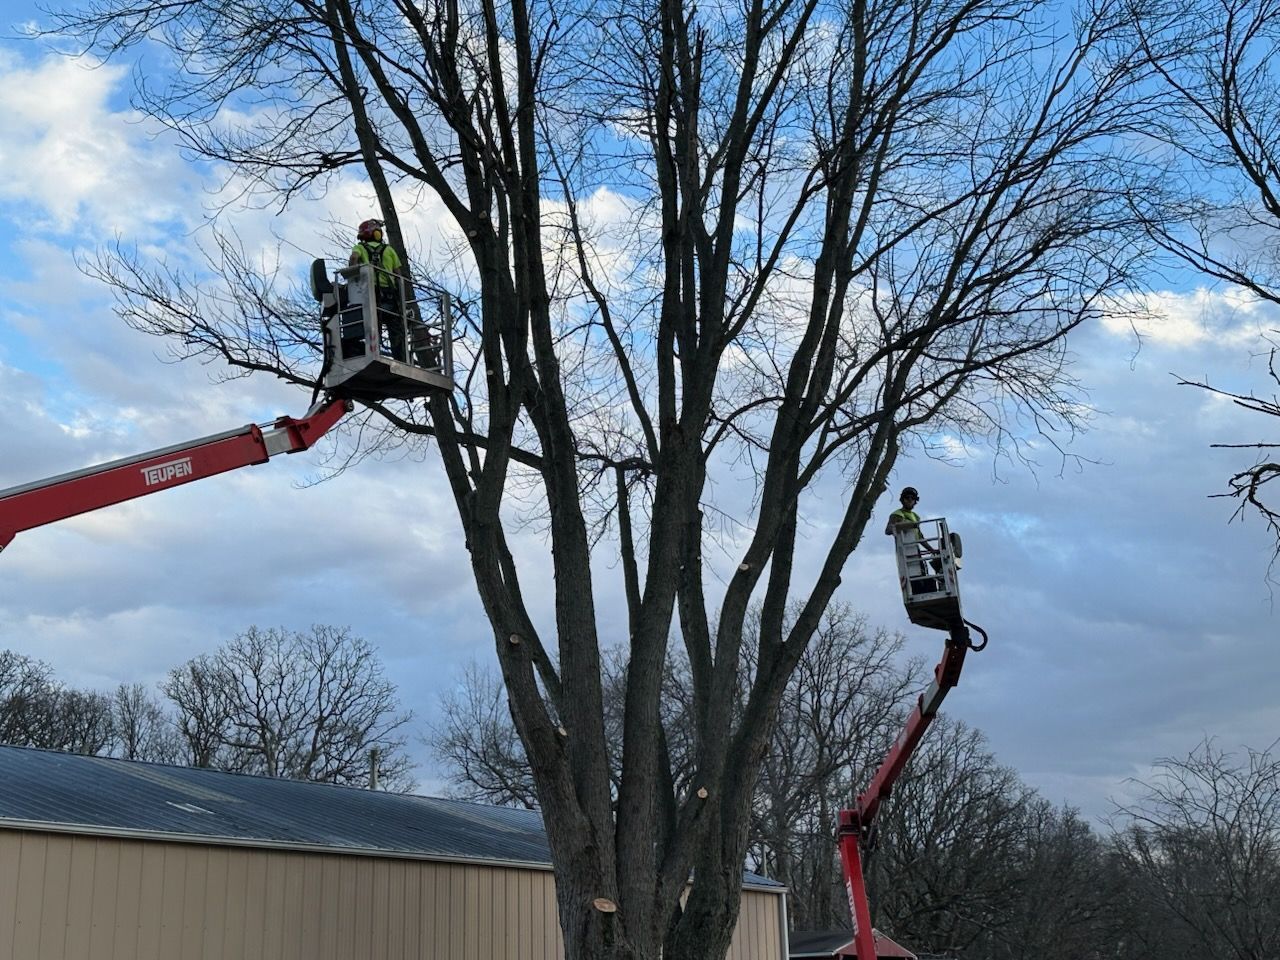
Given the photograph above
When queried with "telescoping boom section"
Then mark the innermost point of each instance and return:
(927, 554)
(56, 498)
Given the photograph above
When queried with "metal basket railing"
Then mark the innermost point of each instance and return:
(378, 311)
(926, 561)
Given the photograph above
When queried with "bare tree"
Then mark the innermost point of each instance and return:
(848, 229)
(309, 706)
(841, 709)
(484, 760)
(38, 711)
(141, 728)
(1219, 212)
(939, 876)
(1203, 844)
(78, 721)
(1215, 63)
(1249, 486)
(24, 683)
(198, 691)
(1071, 899)
(476, 741)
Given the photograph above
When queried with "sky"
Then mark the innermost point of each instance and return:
(1129, 619)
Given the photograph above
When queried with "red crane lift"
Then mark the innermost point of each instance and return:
(927, 555)
(358, 365)
(56, 498)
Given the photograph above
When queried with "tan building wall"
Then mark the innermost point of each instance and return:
(66, 896)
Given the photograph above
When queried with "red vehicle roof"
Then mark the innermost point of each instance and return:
(840, 945)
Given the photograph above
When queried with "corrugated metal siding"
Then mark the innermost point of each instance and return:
(758, 935)
(65, 897)
(69, 897)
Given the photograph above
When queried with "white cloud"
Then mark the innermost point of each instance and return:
(1227, 317)
(70, 156)
(79, 163)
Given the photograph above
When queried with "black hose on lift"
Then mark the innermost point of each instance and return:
(870, 840)
(976, 647)
(325, 367)
(321, 285)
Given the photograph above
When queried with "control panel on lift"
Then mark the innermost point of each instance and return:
(928, 555)
(380, 341)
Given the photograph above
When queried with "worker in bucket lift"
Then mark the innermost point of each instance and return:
(907, 520)
(371, 248)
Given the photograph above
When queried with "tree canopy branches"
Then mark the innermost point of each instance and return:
(1249, 486)
(798, 235)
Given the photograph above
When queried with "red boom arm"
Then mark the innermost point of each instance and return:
(35, 504)
(855, 825)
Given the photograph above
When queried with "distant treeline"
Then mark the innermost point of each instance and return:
(969, 862)
(308, 706)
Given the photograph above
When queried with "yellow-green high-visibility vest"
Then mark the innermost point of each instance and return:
(381, 255)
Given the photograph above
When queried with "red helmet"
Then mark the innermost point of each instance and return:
(365, 230)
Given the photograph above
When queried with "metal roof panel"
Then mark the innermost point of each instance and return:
(107, 795)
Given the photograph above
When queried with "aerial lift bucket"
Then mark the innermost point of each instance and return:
(927, 555)
(381, 343)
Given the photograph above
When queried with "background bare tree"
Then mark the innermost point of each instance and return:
(142, 729)
(1202, 843)
(309, 706)
(842, 708)
(77, 721)
(23, 684)
(38, 711)
(1251, 486)
(848, 227)
(476, 743)
(1071, 901)
(939, 876)
(1219, 211)
(198, 692)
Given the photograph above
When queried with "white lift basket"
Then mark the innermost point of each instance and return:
(381, 346)
(927, 555)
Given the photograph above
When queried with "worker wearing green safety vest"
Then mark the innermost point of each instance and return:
(905, 515)
(370, 248)
(906, 520)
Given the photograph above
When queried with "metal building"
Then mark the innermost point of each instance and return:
(104, 859)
